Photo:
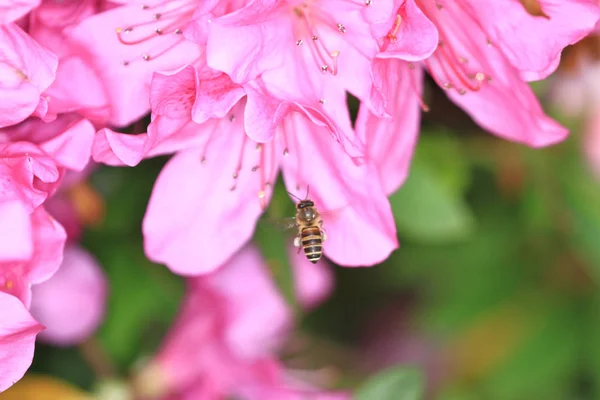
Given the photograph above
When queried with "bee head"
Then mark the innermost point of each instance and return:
(304, 204)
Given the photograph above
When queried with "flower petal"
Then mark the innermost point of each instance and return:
(195, 221)
(15, 231)
(17, 340)
(26, 70)
(390, 141)
(357, 215)
(533, 43)
(49, 239)
(72, 148)
(12, 10)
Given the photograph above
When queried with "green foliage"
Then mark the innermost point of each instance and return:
(397, 383)
(430, 207)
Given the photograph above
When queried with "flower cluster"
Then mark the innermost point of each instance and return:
(236, 90)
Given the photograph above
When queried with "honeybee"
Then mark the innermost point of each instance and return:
(310, 235)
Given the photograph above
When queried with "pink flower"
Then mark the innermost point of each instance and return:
(17, 340)
(26, 70)
(234, 319)
(232, 178)
(71, 303)
(482, 72)
(126, 44)
(317, 50)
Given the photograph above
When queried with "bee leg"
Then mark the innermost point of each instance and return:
(297, 242)
(323, 234)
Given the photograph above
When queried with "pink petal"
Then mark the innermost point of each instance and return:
(128, 86)
(391, 141)
(349, 197)
(71, 303)
(495, 95)
(257, 314)
(172, 94)
(195, 221)
(115, 148)
(12, 10)
(215, 97)
(16, 238)
(26, 70)
(17, 340)
(72, 148)
(313, 283)
(49, 239)
(407, 33)
(533, 43)
(262, 114)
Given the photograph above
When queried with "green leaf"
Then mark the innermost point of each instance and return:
(428, 211)
(397, 383)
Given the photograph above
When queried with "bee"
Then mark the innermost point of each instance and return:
(310, 235)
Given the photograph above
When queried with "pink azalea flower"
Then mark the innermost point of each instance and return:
(482, 74)
(234, 319)
(17, 340)
(26, 70)
(71, 303)
(311, 43)
(126, 44)
(232, 177)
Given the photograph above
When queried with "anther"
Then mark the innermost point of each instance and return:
(145, 7)
(157, 16)
(258, 147)
(324, 68)
(322, 101)
(125, 63)
(235, 175)
(286, 152)
(158, 31)
(480, 76)
(177, 31)
(368, 2)
(299, 42)
(315, 37)
(341, 28)
(231, 189)
(203, 160)
(146, 56)
(462, 91)
(255, 168)
(463, 60)
(447, 85)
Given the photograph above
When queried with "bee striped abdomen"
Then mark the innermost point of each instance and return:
(312, 243)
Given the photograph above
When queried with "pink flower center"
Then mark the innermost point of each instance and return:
(313, 25)
(161, 28)
(459, 32)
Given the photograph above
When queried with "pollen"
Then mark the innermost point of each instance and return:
(9, 284)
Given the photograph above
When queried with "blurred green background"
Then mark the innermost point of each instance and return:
(492, 295)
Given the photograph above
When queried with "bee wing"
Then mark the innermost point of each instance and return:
(284, 224)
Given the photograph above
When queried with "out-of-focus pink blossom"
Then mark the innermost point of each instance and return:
(71, 303)
(235, 319)
(26, 70)
(313, 282)
(232, 178)
(17, 340)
